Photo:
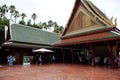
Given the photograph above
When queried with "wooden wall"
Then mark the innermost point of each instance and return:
(19, 53)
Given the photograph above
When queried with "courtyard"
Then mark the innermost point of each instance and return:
(58, 72)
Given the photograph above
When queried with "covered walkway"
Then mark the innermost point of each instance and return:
(58, 72)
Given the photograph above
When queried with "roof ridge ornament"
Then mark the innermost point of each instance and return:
(111, 18)
(115, 21)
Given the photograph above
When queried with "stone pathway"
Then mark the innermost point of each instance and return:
(58, 72)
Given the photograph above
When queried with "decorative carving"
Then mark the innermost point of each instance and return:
(81, 21)
(86, 21)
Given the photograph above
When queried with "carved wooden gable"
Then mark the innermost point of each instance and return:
(80, 21)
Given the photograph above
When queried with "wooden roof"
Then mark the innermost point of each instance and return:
(87, 23)
(105, 35)
(86, 16)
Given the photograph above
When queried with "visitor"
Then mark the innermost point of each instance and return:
(105, 61)
(53, 59)
(97, 60)
(80, 59)
(40, 60)
(10, 60)
(37, 60)
(14, 60)
(118, 60)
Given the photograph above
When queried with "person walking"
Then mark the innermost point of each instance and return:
(10, 60)
(40, 59)
(118, 58)
(118, 61)
(53, 59)
(14, 60)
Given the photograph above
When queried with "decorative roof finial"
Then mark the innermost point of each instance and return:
(115, 21)
(111, 18)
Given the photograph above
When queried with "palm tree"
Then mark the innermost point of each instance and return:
(23, 15)
(55, 25)
(16, 15)
(61, 29)
(3, 11)
(29, 23)
(50, 24)
(58, 29)
(12, 10)
(40, 25)
(34, 16)
(45, 26)
(0, 11)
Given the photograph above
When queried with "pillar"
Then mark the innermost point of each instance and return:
(62, 50)
(112, 64)
(93, 54)
(72, 51)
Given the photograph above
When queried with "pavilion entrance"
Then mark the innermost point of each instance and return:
(97, 53)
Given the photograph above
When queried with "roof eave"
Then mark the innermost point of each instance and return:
(25, 45)
(90, 32)
(88, 41)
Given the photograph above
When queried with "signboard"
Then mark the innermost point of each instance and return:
(26, 60)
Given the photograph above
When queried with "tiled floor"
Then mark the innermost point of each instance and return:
(58, 72)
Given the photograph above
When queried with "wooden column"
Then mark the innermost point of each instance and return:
(93, 54)
(63, 53)
(112, 64)
(72, 51)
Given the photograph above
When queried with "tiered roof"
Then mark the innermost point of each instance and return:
(86, 24)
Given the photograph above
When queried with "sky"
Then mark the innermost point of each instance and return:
(60, 10)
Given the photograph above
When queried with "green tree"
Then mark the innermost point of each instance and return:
(45, 26)
(12, 10)
(16, 15)
(23, 15)
(34, 17)
(3, 11)
(0, 12)
(40, 26)
(4, 22)
(55, 25)
(29, 23)
(58, 29)
(61, 29)
(22, 22)
(50, 24)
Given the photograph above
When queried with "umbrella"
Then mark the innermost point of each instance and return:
(43, 50)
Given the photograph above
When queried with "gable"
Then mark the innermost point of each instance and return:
(86, 16)
(81, 21)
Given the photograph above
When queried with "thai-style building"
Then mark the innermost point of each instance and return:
(90, 34)
(20, 41)
(89, 37)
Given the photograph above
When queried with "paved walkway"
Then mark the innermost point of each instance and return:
(58, 72)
